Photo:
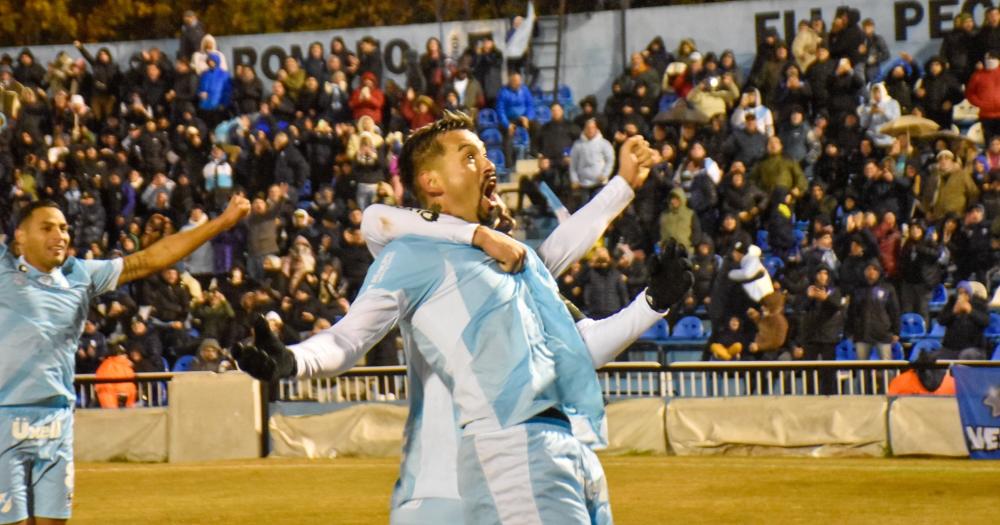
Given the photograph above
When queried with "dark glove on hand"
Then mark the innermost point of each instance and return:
(267, 358)
(670, 276)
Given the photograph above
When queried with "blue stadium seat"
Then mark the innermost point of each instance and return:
(689, 327)
(183, 363)
(487, 118)
(499, 160)
(996, 353)
(845, 351)
(565, 96)
(939, 296)
(802, 226)
(911, 325)
(924, 345)
(491, 137)
(762, 241)
(897, 353)
(521, 137)
(543, 114)
(657, 332)
(773, 265)
(937, 330)
(993, 330)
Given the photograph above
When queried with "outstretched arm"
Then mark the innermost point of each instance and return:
(171, 249)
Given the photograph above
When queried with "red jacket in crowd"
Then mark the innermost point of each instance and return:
(368, 101)
(983, 91)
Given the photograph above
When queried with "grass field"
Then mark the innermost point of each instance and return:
(644, 490)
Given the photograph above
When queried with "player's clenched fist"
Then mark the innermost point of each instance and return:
(237, 208)
(267, 359)
(634, 159)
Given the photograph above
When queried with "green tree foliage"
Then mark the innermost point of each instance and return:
(26, 22)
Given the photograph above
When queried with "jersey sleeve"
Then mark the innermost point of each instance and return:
(571, 240)
(606, 338)
(104, 274)
(336, 349)
(381, 224)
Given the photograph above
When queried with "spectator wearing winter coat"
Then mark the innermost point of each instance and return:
(794, 134)
(959, 47)
(821, 325)
(592, 160)
(368, 99)
(210, 358)
(106, 80)
(192, 33)
(604, 291)
(28, 72)
(778, 171)
(876, 51)
(988, 39)
(983, 91)
(751, 274)
(515, 105)
(201, 262)
(248, 90)
(938, 92)
(262, 236)
(748, 144)
(889, 239)
(92, 222)
(212, 316)
(487, 66)
(843, 89)
(705, 264)
(779, 222)
(974, 254)
(290, 167)
(805, 45)
(921, 269)
(772, 327)
(873, 314)
(678, 222)
(556, 138)
(728, 341)
(752, 103)
(819, 76)
(955, 187)
(965, 319)
(714, 95)
(880, 110)
(846, 39)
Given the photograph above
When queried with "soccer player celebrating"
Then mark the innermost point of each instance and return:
(44, 299)
(503, 345)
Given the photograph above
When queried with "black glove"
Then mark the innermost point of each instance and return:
(670, 276)
(267, 358)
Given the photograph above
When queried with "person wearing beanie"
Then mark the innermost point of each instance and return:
(965, 319)
(873, 314)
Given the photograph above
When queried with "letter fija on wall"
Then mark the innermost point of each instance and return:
(907, 14)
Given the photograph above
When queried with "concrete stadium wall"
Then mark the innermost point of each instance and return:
(592, 54)
(216, 417)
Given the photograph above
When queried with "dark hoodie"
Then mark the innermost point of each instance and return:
(31, 76)
(873, 314)
(780, 227)
(845, 43)
(658, 57)
(107, 76)
(822, 321)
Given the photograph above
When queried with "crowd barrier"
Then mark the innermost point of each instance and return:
(766, 408)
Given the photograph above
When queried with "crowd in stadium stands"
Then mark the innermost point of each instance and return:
(807, 220)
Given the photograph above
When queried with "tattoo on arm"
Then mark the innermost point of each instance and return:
(136, 266)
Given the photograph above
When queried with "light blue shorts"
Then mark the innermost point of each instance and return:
(36, 463)
(533, 473)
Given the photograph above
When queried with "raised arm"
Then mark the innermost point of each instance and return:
(172, 249)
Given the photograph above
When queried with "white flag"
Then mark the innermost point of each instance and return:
(517, 44)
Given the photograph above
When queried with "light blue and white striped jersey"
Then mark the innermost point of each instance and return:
(41, 319)
(503, 344)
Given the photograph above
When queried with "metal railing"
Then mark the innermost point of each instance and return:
(651, 379)
(151, 389)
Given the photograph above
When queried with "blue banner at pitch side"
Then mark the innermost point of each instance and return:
(978, 393)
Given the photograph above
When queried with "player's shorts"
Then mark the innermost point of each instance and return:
(36, 463)
(428, 511)
(533, 473)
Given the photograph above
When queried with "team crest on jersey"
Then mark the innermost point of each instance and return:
(427, 215)
(22, 429)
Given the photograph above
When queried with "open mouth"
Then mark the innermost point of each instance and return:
(489, 187)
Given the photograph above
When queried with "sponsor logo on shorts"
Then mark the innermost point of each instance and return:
(23, 429)
(6, 502)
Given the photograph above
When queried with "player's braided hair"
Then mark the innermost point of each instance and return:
(423, 143)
